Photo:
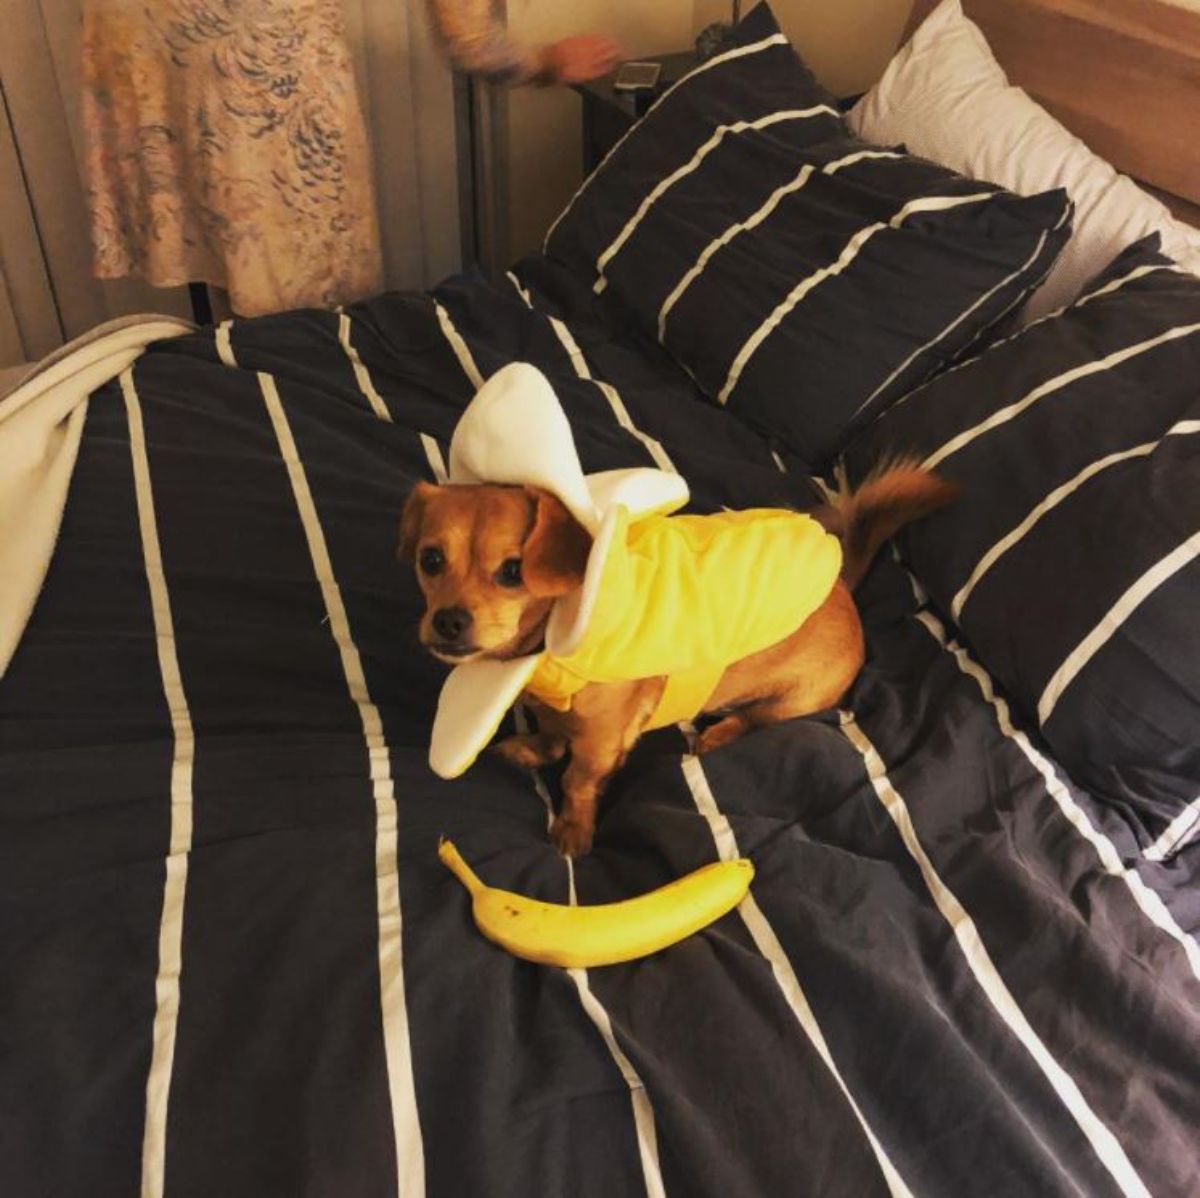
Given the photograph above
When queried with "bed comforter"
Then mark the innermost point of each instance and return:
(231, 964)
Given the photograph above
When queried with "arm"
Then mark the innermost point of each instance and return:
(478, 44)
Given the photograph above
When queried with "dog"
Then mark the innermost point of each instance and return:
(492, 561)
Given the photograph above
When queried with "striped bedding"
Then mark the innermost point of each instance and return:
(1073, 562)
(804, 277)
(233, 966)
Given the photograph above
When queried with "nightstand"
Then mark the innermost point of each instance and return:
(608, 114)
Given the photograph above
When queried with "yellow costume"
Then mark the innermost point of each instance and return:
(677, 596)
(686, 597)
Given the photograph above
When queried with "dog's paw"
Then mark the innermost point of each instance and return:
(530, 752)
(722, 733)
(571, 837)
(516, 751)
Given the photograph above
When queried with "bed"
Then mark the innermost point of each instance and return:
(232, 963)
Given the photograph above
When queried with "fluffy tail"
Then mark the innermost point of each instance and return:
(895, 494)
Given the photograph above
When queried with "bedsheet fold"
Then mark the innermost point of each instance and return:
(41, 423)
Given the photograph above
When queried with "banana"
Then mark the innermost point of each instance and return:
(583, 937)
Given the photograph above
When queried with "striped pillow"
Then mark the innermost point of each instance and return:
(802, 276)
(1072, 563)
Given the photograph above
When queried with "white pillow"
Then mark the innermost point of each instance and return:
(945, 97)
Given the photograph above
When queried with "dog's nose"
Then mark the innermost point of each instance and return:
(451, 622)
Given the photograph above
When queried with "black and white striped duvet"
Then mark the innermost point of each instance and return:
(233, 966)
(1073, 562)
(803, 277)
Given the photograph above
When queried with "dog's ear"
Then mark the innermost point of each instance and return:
(410, 519)
(556, 548)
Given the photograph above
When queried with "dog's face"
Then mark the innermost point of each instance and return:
(491, 561)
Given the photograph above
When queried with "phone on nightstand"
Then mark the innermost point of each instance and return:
(637, 76)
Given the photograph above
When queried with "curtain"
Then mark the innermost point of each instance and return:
(29, 324)
(416, 135)
(45, 254)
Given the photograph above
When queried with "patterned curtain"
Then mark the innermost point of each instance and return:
(226, 144)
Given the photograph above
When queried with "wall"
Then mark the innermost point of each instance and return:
(847, 43)
(543, 125)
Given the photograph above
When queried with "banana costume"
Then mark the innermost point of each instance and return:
(676, 596)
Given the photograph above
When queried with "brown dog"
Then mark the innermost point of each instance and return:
(491, 561)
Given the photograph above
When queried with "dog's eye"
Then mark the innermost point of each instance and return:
(432, 561)
(509, 574)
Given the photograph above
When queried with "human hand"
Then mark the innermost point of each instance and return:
(578, 59)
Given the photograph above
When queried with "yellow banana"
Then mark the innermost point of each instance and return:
(582, 937)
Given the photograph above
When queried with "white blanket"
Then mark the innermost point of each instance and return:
(41, 424)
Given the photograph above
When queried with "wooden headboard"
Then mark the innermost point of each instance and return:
(1123, 75)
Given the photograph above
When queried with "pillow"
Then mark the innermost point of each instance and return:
(803, 277)
(945, 96)
(1072, 561)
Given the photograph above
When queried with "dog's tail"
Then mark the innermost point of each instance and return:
(893, 495)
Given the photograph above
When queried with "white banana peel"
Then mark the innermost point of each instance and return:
(604, 934)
